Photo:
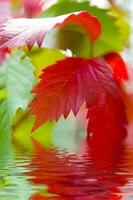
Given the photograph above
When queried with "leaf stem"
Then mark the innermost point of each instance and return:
(91, 49)
(21, 119)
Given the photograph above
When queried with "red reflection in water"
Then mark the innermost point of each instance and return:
(89, 175)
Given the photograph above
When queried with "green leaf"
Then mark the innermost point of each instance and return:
(16, 80)
(22, 132)
(110, 39)
(122, 19)
(43, 57)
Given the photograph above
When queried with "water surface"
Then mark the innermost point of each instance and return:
(81, 172)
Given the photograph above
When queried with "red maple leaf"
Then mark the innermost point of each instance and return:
(65, 85)
(32, 7)
(118, 66)
(20, 32)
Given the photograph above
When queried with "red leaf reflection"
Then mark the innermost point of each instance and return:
(75, 176)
